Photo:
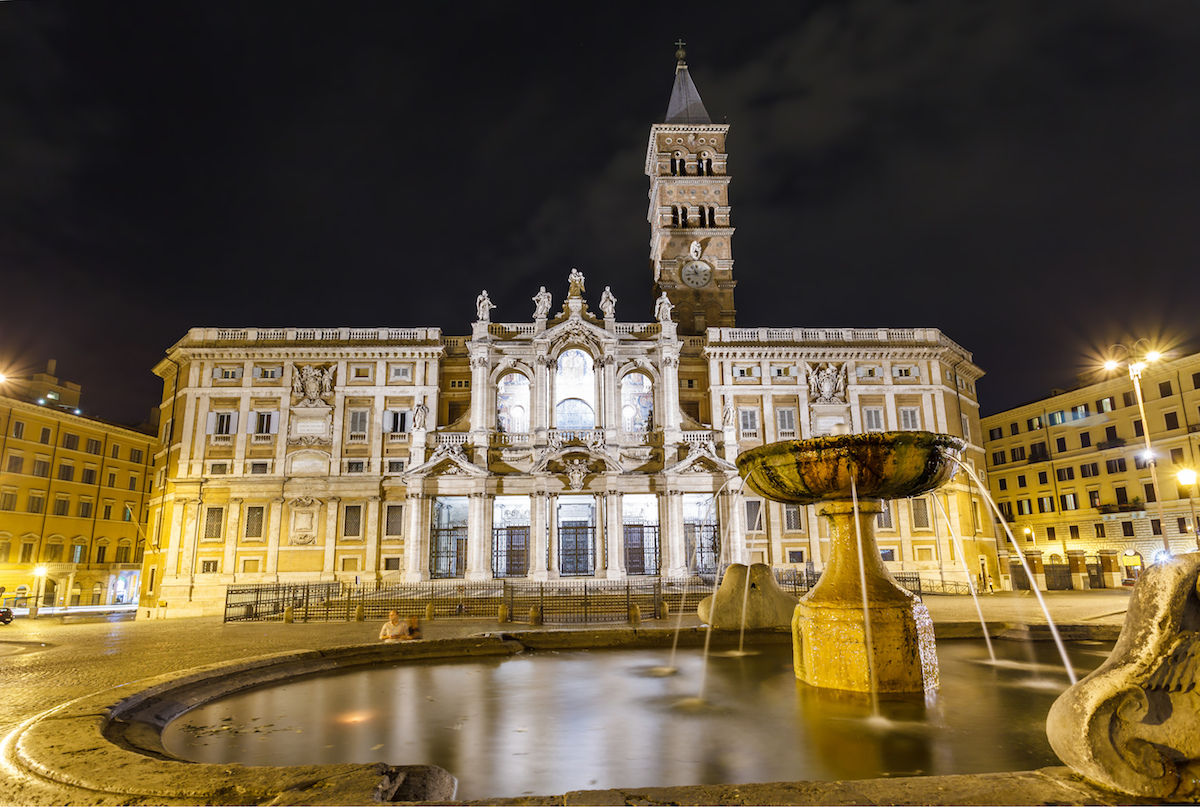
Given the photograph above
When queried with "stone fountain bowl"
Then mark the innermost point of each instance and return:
(883, 465)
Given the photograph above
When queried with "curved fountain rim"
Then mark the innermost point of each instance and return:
(93, 743)
(846, 443)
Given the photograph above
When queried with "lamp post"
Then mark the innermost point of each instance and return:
(1187, 478)
(1136, 365)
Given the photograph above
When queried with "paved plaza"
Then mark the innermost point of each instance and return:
(49, 661)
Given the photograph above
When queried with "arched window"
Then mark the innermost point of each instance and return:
(637, 403)
(708, 167)
(512, 403)
(675, 216)
(574, 391)
(712, 217)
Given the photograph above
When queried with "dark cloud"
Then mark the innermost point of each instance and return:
(1019, 174)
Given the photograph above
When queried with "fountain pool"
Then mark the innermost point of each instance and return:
(547, 722)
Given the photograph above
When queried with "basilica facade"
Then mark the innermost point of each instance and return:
(573, 444)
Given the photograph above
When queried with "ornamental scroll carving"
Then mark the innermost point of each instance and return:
(827, 382)
(312, 384)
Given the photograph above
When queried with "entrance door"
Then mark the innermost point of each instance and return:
(575, 548)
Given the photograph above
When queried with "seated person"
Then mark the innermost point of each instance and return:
(394, 630)
(414, 628)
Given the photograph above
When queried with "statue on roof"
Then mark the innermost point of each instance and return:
(541, 303)
(663, 308)
(484, 306)
(576, 284)
(608, 303)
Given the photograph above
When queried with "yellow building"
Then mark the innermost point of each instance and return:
(1071, 476)
(567, 444)
(73, 497)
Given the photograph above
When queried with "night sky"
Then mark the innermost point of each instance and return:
(1023, 174)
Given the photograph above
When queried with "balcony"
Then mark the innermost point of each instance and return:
(1116, 442)
(1127, 507)
(262, 439)
(397, 437)
(221, 439)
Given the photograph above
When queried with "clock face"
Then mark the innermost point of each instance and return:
(696, 274)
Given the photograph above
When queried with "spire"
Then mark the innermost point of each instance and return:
(685, 106)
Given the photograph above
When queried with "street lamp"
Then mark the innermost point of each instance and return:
(1187, 478)
(1136, 365)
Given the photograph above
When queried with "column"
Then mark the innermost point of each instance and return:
(332, 505)
(552, 538)
(231, 536)
(1034, 558)
(598, 509)
(242, 434)
(616, 536)
(479, 397)
(274, 517)
(1079, 572)
(672, 527)
(670, 419)
(133, 595)
(475, 537)
(414, 539)
(1003, 571)
(174, 536)
(190, 523)
(542, 384)
(538, 529)
(736, 532)
(906, 545)
(370, 571)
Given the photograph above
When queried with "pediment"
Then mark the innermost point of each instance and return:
(447, 460)
(555, 460)
(575, 331)
(701, 458)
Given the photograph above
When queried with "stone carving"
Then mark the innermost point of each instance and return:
(313, 384)
(575, 279)
(479, 360)
(541, 303)
(1133, 724)
(303, 501)
(419, 413)
(663, 308)
(695, 249)
(729, 415)
(484, 306)
(577, 471)
(608, 303)
(310, 440)
(827, 383)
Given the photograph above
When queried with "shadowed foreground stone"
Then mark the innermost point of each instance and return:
(1134, 723)
(765, 605)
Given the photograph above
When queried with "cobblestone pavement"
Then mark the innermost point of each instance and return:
(49, 661)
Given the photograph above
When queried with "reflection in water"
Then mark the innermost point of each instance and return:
(545, 723)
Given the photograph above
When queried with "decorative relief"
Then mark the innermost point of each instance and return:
(312, 384)
(577, 471)
(827, 382)
(304, 521)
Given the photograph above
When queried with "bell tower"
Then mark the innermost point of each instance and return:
(691, 250)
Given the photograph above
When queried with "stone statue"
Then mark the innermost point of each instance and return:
(541, 303)
(663, 308)
(729, 415)
(576, 283)
(608, 303)
(484, 306)
(312, 384)
(695, 249)
(827, 383)
(419, 413)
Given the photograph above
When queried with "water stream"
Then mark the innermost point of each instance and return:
(970, 577)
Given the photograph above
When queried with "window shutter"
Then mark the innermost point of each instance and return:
(216, 373)
(233, 421)
(256, 372)
(860, 371)
(238, 372)
(402, 421)
(916, 371)
(212, 423)
(391, 421)
(895, 371)
(274, 422)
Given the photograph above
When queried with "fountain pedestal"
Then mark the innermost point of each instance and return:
(830, 624)
(828, 629)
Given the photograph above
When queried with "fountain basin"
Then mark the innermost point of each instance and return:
(883, 465)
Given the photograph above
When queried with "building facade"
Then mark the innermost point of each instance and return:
(1070, 474)
(73, 499)
(570, 444)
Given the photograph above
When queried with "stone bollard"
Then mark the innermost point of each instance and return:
(535, 615)
(359, 613)
(429, 612)
(664, 609)
(635, 615)
(289, 616)
(502, 614)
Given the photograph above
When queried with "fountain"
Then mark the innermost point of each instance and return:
(836, 645)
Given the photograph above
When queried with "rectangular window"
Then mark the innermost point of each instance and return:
(135, 455)
(1060, 444)
(208, 567)
(1177, 456)
(995, 434)
(224, 423)
(1127, 529)
(884, 519)
(1098, 528)
(1137, 428)
(1038, 453)
(1148, 487)
(754, 515)
(358, 421)
(62, 507)
(1128, 398)
(1106, 404)
(85, 509)
(8, 501)
(1164, 389)
(920, 514)
(1020, 480)
(966, 427)
(1043, 478)
(1045, 504)
(88, 477)
(998, 458)
(107, 512)
(395, 519)
(1171, 420)
(1110, 433)
(355, 466)
(1065, 474)
(887, 554)
(18, 430)
(26, 553)
(216, 469)
(1005, 510)
(873, 419)
(259, 467)
(748, 421)
(36, 503)
(71, 441)
(1093, 498)
(93, 446)
(133, 480)
(352, 526)
(1182, 526)
(395, 466)
(41, 468)
(1085, 440)
(1055, 419)
(214, 522)
(254, 521)
(1003, 483)
(795, 556)
(116, 452)
(53, 553)
(1122, 496)
(263, 422)
(785, 423)
(1018, 453)
(910, 418)
(112, 480)
(122, 554)
(1115, 466)
(1033, 424)
(793, 519)
(45, 438)
(1155, 526)
(1014, 429)
(15, 464)
(1079, 412)
(1068, 501)
(391, 564)
(395, 421)
(77, 553)
(1089, 469)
